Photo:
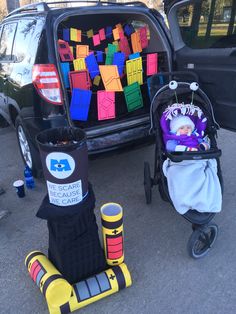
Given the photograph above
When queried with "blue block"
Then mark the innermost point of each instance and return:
(65, 68)
(99, 56)
(80, 103)
(119, 60)
(129, 29)
(108, 32)
(66, 34)
(134, 55)
(92, 65)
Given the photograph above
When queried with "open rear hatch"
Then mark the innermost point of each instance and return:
(99, 39)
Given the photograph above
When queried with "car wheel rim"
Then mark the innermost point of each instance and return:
(24, 146)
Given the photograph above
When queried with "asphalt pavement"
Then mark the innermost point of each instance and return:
(165, 279)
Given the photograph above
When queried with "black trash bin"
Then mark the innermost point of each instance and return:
(64, 159)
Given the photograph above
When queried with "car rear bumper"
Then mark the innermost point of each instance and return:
(102, 139)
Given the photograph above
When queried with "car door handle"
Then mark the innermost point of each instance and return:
(5, 78)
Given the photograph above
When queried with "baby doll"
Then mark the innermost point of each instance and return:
(184, 137)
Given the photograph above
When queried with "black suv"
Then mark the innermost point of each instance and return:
(44, 49)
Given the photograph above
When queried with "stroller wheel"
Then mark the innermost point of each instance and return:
(147, 183)
(202, 240)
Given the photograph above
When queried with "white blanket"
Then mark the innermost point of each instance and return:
(194, 184)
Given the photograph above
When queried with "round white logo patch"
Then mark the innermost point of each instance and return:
(60, 165)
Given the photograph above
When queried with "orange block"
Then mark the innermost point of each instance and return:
(110, 78)
(116, 33)
(136, 42)
(82, 51)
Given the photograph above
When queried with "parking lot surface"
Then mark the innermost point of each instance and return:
(165, 279)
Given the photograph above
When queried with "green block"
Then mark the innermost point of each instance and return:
(133, 97)
(109, 59)
(111, 49)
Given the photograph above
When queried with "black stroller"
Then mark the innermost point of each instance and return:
(204, 232)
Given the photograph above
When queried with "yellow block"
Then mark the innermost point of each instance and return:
(90, 33)
(134, 70)
(97, 80)
(79, 64)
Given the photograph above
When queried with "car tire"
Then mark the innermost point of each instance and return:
(28, 152)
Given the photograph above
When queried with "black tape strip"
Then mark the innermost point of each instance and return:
(48, 281)
(65, 308)
(119, 276)
(112, 225)
(31, 256)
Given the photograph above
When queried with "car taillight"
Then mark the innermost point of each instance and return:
(46, 80)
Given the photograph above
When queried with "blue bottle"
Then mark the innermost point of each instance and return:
(29, 180)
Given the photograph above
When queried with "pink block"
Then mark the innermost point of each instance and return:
(106, 105)
(152, 63)
(143, 37)
(96, 40)
(121, 34)
(102, 34)
(124, 47)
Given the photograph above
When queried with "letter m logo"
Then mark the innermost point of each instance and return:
(60, 165)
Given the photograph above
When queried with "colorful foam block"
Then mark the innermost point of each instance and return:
(92, 65)
(124, 46)
(66, 34)
(129, 29)
(97, 80)
(99, 56)
(79, 79)
(115, 32)
(110, 77)
(134, 55)
(119, 60)
(65, 68)
(133, 97)
(136, 42)
(64, 51)
(96, 40)
(106, 105)
(80, 103)
(82, 51)
(79, 64)
(108, 31)
(111, 49)
(90, 33)
(152, 63)
(102, 34)
(75, 35)
(143, 37)
(134, 71)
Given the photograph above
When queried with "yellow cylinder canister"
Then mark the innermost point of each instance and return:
(54, 287)
(113, 233)
(95, 288)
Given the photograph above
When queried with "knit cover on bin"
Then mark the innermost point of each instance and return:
(74, 245)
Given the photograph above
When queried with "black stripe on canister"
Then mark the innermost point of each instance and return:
(65, 308)
(112, 224)
(31, 256)
(49, 280)
(119, 276)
